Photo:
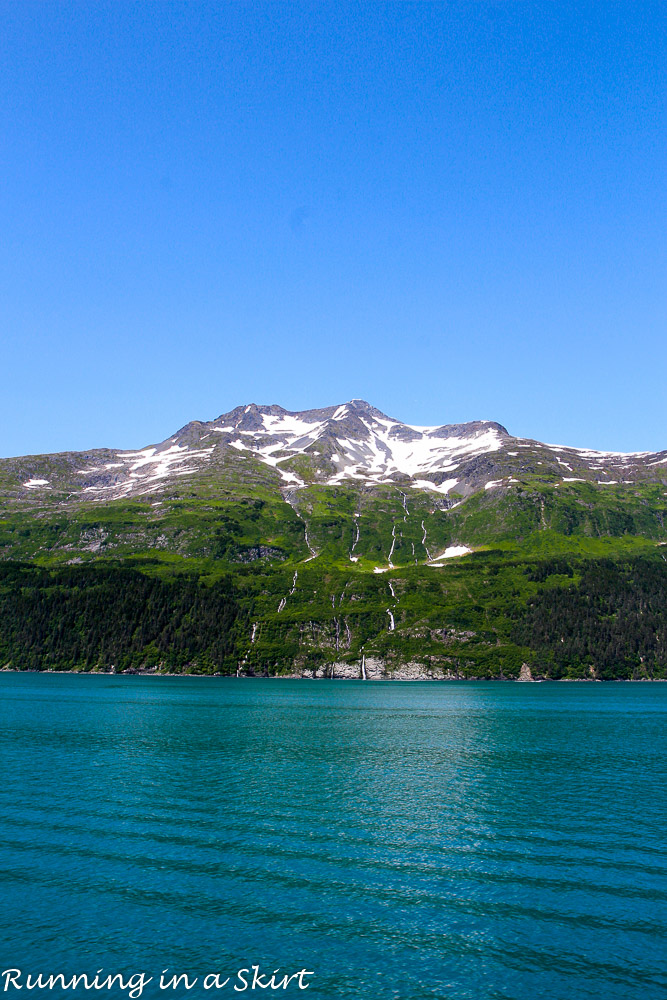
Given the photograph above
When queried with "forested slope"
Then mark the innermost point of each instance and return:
(482, 617)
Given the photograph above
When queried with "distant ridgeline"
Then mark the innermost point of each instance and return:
(336, 542)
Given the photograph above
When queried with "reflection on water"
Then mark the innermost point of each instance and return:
(402, 840)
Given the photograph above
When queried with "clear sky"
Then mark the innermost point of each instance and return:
(455, 210)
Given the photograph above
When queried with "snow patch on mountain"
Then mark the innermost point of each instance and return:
(361, 442)
(350, 442)
(451, 552)
(426, 484)
(589, 453)
(142, 470)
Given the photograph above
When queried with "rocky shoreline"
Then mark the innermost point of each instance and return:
(370, 670)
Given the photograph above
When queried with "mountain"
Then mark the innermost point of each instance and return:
(337, 536)
(353, 442)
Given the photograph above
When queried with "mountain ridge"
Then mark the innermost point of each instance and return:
(337, 542)
(349, 441)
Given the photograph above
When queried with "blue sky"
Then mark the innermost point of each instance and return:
(453, 210)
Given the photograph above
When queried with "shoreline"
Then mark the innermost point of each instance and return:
(374, 680)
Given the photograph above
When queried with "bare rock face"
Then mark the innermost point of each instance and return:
(374, 668)
(525, 673)
(350, 671)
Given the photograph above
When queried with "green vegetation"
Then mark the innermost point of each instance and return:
(113, 618)
(611, 625)
(482, 616)
(215, 574)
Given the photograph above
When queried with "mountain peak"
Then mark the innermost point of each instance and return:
(352, 442)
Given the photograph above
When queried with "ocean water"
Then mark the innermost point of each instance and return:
(412, 841)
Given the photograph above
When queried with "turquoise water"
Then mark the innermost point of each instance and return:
(400, 840)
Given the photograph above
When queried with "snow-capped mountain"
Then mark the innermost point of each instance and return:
(351, 442)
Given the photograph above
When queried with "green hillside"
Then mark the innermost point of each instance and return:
(336, 542)
(570, 579)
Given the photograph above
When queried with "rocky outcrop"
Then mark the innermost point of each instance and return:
(376, 669)
(525, 673)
